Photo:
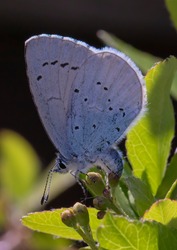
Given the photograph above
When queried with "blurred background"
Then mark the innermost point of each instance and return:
(145, 24)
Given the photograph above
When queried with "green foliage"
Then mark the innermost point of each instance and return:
(120, 232)
(149, 142)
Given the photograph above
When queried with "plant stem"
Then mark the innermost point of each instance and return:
(88, 239)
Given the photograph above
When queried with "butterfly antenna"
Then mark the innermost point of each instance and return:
(45, 195)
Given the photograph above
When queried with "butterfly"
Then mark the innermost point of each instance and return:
(87, 99)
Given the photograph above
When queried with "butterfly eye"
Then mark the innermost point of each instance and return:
(62, 166)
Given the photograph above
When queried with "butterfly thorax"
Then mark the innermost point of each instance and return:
(109, 160)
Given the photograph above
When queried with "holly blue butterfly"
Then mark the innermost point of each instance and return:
(87, 99)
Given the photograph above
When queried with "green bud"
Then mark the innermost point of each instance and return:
(81, 214)
(68, 218)
(113, 179)
(100, 215)
(106, 193)
(95, 183)
(100, 203)
(98, 169)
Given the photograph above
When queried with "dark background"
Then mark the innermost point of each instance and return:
(142, 23)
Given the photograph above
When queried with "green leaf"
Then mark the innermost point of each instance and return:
(142, 196)
(20, 165)
(172, 193)
(163, 211)
(167, 239)
(50, 222)
(127, 171)
(122, 201)
(149, 141)
(172, 7)
(120, 233)
(169, 178)
(174, 87)
(142, 59)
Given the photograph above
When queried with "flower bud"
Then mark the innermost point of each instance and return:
(106, 193)
(68, 218)
(113, 179)
(100, 215)
(100, 203)
(95, 183)
(81, 214)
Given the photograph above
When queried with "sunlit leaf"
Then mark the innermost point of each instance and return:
(50, 222)
(163, 211)
(149, 141)
(120, 233)
(122, 201)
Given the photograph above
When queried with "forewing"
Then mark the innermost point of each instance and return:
(52, 65)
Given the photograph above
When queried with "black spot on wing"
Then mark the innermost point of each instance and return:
(74, 68)
(44, 64)
(64, 64)
(39, 78)
(54, 62)
(122, 111)
(118, 129)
